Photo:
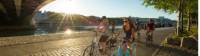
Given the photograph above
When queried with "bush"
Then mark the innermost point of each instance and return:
(190, 43)
(174, 41)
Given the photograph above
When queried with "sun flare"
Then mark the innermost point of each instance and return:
(68, 31)
(66, 6)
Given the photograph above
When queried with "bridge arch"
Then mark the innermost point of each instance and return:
(18, 14)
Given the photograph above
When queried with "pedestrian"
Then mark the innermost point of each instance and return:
(113, 26)
(138, 27)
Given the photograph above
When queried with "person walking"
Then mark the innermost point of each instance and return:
(138, 28)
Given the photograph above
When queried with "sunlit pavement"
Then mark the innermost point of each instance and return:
(65, 45)
(159, 35)
(55, 44)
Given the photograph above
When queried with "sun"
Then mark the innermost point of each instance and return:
(65, 6)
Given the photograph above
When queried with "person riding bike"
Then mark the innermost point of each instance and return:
(150, 29)
(103, 28)
(113, 39)
(129, 30)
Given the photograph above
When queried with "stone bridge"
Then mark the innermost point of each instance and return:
(17, 14)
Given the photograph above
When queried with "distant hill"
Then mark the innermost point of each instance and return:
(81, 20)
(67, 19)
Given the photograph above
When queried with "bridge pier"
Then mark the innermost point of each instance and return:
(17, 14)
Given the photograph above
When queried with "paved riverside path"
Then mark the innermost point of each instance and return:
(61, 44)
(158, 36)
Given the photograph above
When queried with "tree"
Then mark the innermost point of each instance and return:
(183, 8)
(191, 7)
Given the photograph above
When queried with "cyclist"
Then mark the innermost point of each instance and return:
(150, 29)
(113, 39)
(103, 28)
(129, 30)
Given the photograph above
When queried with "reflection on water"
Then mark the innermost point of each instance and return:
(40, 31)
(68, 31)
(92, 27)
(43, 31)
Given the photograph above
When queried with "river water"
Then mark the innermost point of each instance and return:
(73, 28)
(44, 30)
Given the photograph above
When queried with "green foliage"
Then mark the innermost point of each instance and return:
(192, 31)
(185, 33)
(189, 7)
(171, 6)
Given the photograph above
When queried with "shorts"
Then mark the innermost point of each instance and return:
(149, 33)
(128, 35)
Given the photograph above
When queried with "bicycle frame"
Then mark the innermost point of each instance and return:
(93, 47)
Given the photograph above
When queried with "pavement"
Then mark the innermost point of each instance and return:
(61, 44)
(158, 36)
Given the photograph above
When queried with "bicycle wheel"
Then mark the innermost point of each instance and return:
(96, 52)
(111, 46)
(108, 48)
(147, 39)
(92, 50)
(88, 51)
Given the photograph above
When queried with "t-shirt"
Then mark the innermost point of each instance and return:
(150, 26)
(103, 27)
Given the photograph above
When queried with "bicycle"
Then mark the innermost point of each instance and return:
(118, 46)
(112, 42)
(138, 36)
(121, 44)
(93, 49)
(149, 38)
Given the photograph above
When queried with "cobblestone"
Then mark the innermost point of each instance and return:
(63, 46)
(66, 51)
(17, 40)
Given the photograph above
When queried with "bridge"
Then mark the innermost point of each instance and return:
(17, 14)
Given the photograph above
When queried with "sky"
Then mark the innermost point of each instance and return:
(109, 8)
